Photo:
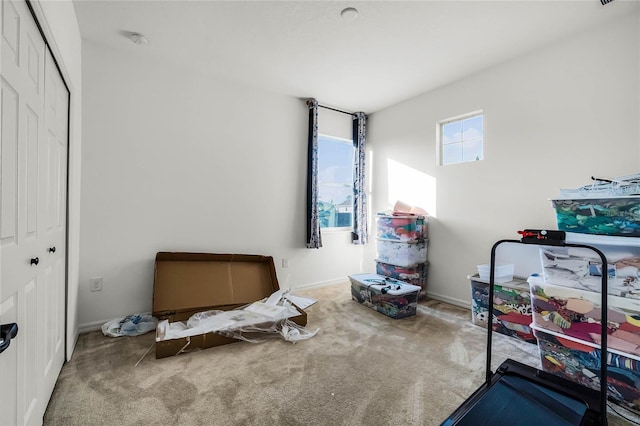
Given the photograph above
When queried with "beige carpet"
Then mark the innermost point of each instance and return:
(361, 369)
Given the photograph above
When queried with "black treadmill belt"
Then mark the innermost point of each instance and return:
(515, 400)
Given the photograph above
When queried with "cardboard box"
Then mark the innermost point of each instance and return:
(186, 283)
(511, 314)
(395, 299)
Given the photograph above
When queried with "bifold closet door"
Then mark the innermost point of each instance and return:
(33, 170)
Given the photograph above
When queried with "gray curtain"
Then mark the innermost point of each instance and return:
(360, 234)
(314, 239)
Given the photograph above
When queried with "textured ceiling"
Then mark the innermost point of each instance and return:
(394, 50)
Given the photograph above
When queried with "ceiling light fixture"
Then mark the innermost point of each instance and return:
(349, 14)
(138, 38)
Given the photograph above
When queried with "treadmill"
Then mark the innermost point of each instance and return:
(519, 394)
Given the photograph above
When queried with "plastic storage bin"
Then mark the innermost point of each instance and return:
(401, 253)
(579, 361)
(576, 313)
(511, 313)
(393, 298)
(601, 216)
(414, 275)
(401, 227)
(581, 268)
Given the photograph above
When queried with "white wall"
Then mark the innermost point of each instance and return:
(174, 161)
(59, 23)
(553, 118)
(177, 161)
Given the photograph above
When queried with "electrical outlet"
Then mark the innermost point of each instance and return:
(285, 262)
(95, 284)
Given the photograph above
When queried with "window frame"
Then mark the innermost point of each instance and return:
(349, 142)
(440, 135)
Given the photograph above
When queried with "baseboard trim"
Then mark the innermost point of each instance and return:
(447, 299)
(90, 326)
(321, 284)
(97, 325)
(450, 300)
(71, 348)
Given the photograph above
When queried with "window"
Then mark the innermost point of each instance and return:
(461, 139)
(335, 182)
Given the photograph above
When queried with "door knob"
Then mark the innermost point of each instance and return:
(52, 249)
(35, 261)
(7, 332)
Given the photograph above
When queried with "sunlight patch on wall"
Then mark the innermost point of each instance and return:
(411, 186)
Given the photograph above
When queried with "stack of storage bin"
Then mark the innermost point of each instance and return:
(566, 300)
(401, 245)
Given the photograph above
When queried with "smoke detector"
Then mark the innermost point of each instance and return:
(138, 38)
(349, 14)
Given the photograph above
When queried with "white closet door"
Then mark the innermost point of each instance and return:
(53, 170)
(32, 216)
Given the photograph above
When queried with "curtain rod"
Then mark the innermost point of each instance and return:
(336, 110)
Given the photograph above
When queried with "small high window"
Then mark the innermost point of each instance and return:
(462, 139)
(335, 182)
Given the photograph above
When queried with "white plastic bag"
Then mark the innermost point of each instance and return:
(131, 325)
(293, 332)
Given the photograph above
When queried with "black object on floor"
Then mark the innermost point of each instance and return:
(520, 394)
